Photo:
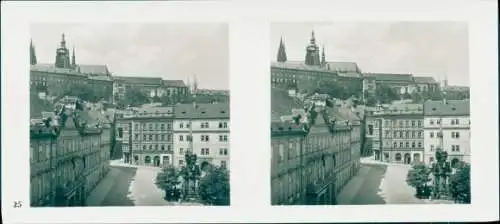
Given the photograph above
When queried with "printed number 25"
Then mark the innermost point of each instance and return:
(18, 204)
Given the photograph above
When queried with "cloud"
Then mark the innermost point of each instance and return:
(171, 51)
(430, 48)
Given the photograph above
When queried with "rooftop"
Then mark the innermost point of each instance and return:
(424, 79)
(333, 67)
(174, 83)
(50, 68)
(139, 80)
(389, 77)
(202, 111)
(287, 128)
(450, 108)
(94, 70)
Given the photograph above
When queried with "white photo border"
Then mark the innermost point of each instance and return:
(249, 37)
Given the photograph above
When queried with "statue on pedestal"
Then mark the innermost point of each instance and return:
(441, 171)
(191, 175)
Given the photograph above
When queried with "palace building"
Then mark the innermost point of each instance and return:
(315, 70)
(64, 74)
(151, 86)
(315, 151)
(69, 155)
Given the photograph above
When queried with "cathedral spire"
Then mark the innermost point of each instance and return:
(73, 60)
(323, 58)
(313, 38)
(32, 54)
(312, 52)
(282, 52)
(62, 55)
(63, 42)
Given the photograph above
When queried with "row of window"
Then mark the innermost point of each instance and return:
(206, 151)
(151, 126)
(203, 138)
(155, 137)
(45, 149)
(453, 121)
(405, 144)
(454, 148)
(403, 134)
(151, 147)
(401, 123)
(168, 126)
(453, 134)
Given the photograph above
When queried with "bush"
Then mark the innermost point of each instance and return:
(418, 177)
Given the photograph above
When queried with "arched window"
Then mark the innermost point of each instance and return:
(398, 157)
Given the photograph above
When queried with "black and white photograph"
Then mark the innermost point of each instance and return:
(370, 113)
(249, 111)
(129, 115)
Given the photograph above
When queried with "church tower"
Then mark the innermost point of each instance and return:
(73, 59)
(62, 55)
(323, 57)
(282, 52)
(312, 52)
(32, 54)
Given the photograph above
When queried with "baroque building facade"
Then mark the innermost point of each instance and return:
(146, 136)
(397, 133)
(69, 155)
(312, 162)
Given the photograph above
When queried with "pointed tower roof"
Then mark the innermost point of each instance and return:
(63, 42)
(33, 60)
(73, 58)
(323, 57)
(313, 38)
(282, 52)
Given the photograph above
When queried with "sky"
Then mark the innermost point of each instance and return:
(176, 51)
(438, 49)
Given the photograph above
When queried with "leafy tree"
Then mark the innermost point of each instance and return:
(168, 180)
(134, 97)
(386, 94)
(460, 184)
(214, 186)
(416, 97)
(418, 177)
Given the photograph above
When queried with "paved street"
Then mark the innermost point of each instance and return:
(128, 185)
(114, 188)
(378, 183)
(364, 188)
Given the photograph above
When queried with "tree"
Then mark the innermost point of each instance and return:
(418, 177)
(168, 180)
(386, 94)
(134, 97)
(460, 184)
(214, 186)
(416, 97)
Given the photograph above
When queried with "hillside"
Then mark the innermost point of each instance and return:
(282, 104)
(37, 106)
